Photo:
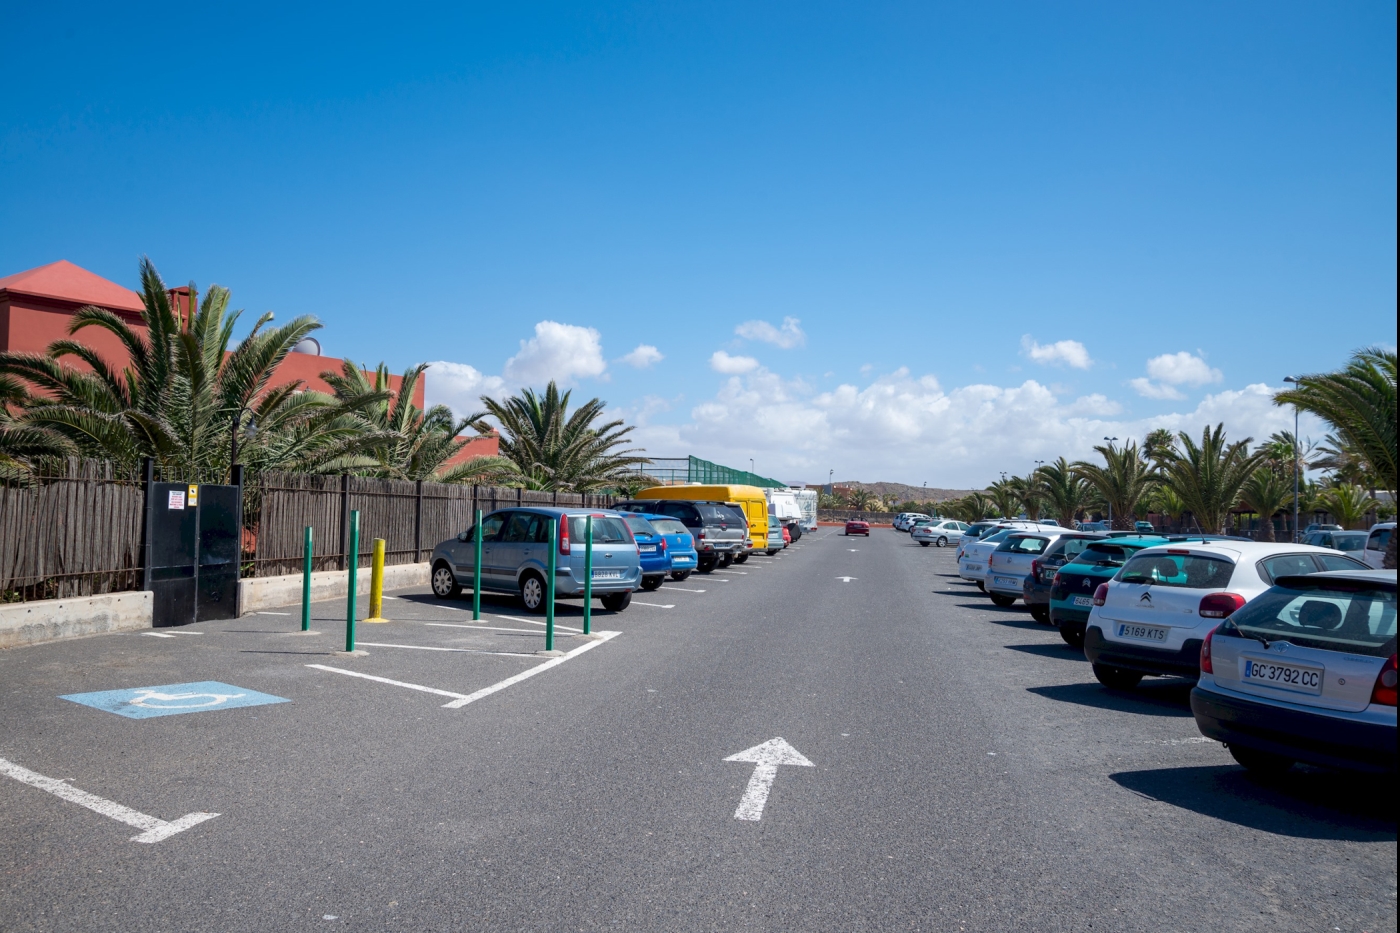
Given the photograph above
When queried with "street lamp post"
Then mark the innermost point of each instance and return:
(1297, 381)
(1111, 442)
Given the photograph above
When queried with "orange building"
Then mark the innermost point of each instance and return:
(36, 307)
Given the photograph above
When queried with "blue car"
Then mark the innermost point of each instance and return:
(665, 546)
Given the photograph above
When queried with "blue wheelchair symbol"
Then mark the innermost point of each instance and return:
(172, 699)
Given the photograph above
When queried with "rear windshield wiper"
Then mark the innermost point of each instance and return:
(1236, 630)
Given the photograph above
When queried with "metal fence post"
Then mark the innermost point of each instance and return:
(352, 558)
(476, 569)
(306, 583)
(344, 518)
(588, 575)
(549, 586)
(418, 525)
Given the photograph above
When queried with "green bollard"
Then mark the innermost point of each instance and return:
(476, 570)
(549, 586)
(588, 575)
(351, 560)
(306, 584)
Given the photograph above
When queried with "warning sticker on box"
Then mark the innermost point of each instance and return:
(177, 499)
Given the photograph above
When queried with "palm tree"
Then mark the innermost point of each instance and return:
(1029, 494)
(1168, 503)
(973, 507)
(1267, 492)
(401, 441)
(1122, 479)
(183, 399)
(1209, 476)
(1157, 446)
(861, 499)
(1066, 493)
(25, 447)
(1348, 504)
(556, 450)
(1004, 497)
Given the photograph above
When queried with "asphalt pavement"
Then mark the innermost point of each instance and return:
(943, 765)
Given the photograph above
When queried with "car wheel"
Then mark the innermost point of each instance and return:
(651, 583)
(1264, 764)
(1003, 601)
(726, 560)
(942, 542)
(532, 592)
(923, 544)
(445, 585)
(796, 533)
(1073, 637)
(1041, 614)
(616, 602)
(704, 565)
(741, 558)
(1115, 678)
(680, 576)
(981, 586)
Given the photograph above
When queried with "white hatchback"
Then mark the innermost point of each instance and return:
(941, 533)
(1153, 615)
(973, 555)
(1010, 564)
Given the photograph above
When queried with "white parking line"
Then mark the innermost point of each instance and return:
(157, 634)
(557, 626)
(676, 589)
(385, 680)
(739, 572)
(154, 830)
(508, 654)
(525, 675)
(638, 602)
(264, 613)
(486, 628)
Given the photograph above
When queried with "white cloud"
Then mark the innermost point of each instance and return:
(563, 352)
(1067, 352)
(1182, 369)
(458, 386)
(722, 362)
(908, 428)
(788, 336)
(1149, 389)
(644, 356)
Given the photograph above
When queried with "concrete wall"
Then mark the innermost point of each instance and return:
(276, 592)
(50, 619)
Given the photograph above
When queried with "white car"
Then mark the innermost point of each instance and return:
(1153, 615)
(1376, 544)
(973, 555)
(941, 533)
(1010, 564)
(904, 521)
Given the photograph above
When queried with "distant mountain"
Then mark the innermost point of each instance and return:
(910, 493)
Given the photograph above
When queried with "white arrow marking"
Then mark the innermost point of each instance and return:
(154, 830)
(765, 758)
(845, 579)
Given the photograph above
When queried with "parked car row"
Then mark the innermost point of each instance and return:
(665, 532)
(1292, 646)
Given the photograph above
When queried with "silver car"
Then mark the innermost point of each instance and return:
(515, 557)
(1305, 672)
(940, 533)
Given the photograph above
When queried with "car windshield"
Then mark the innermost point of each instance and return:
(999, 536)
(1337, 617)
(639, 525)
(668, 526)
(1072, 547)
(1342, 541)
(1101, 554)
(1192, 571)
(1018, 544)
(1379, 540)
(739, 518)
(606, 529)
(712, 514)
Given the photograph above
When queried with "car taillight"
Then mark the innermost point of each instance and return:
(1206, 666)
(564, 535)
(1384, 692)
(662, 542)
(1056, 580)
(1101, 594)
(700, 536)
(1219, 605)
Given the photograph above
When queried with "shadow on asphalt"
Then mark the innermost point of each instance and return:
(1305, 804)
(1167, 698)
(1060, 652)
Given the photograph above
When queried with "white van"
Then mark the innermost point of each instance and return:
(1377, 543)
(784, 507)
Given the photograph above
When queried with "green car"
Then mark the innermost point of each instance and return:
(1072, 595)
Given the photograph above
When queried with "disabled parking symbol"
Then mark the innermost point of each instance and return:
(173, 699)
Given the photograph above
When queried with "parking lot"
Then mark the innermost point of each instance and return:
(966, 772)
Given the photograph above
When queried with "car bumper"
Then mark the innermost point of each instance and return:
(1315, 737)
(1185, 662)
(1006, 589)
(566, 584)
(1069, 619)
(1035, 594)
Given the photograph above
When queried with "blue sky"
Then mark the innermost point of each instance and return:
(1003, 232)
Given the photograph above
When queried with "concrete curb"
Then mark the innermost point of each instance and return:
(53, 619)
(257, 593)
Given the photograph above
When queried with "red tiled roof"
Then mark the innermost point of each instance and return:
(67, 282)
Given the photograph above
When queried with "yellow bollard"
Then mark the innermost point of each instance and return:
(376, 584)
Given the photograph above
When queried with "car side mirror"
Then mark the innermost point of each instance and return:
(462, 536)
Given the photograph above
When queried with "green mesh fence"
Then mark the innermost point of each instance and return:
(712, 474)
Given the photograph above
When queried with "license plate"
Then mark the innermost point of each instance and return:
(681, 560)
(647, 548)
(1142, 632)
(1287, 676)
(1007, 581)
(1083, 600)
(607, 574)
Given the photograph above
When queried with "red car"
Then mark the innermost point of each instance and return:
(787, 536)
(857, 527)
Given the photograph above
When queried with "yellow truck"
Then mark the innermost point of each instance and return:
(749, 498)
